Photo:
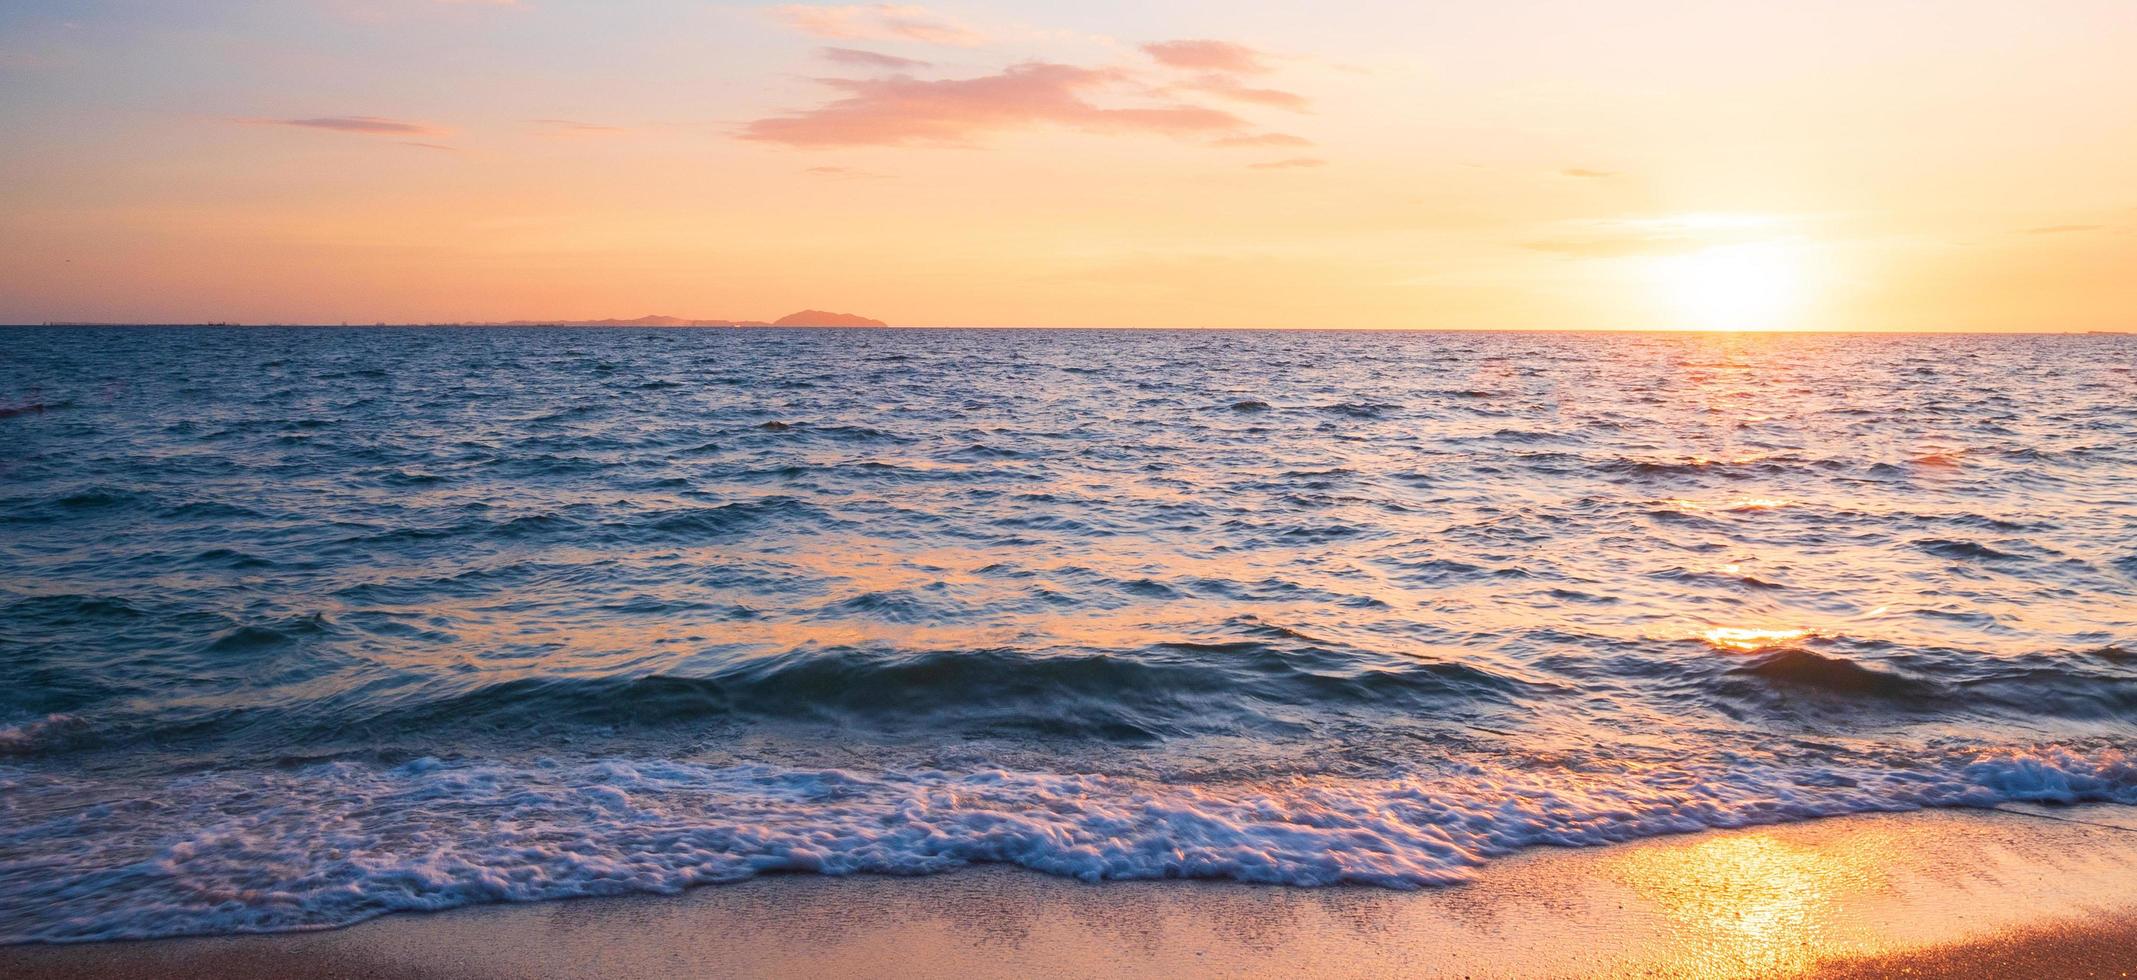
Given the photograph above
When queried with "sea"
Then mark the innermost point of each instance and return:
(303, 626)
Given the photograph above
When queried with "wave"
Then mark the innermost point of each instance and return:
(1260, 681)
(693, 523)
(1359, 410)
(335, 843)
(2088, 687)
(1961, 550)
(1171, 689)
(1836, 675)
(1754, 466)
(43, 735)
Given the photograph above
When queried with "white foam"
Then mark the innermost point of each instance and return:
(40, 734)
(333, 844)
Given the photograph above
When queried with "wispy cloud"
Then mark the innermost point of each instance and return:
(900, 110)
(1584, 172)
(2062, 229)
(870, 59)
(878, 21)
(1254, 140)
(1619, 246)
(1291, 163)
(1206, 55)
(1227, 87)
(363, 125)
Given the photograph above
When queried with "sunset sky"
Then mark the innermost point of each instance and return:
(1824, 164)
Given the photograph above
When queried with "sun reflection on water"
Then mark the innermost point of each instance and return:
(1736, 505)
(1746, 640)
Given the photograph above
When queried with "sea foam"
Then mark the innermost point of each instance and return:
(340, 842)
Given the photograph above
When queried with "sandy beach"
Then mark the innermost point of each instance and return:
(2042, 893)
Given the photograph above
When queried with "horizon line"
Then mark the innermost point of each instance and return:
(570, 325)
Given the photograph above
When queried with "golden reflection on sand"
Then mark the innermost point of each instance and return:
(1749, 904)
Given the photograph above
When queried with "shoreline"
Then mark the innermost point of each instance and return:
(1942, 892)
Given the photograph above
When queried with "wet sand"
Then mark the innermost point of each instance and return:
(2047, 893)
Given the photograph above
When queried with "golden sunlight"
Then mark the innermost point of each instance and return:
(1747, 904)
(1752, 286)
(1742, 640)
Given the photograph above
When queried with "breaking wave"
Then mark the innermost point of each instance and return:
(337, 843)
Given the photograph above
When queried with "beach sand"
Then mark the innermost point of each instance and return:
(2040, 893)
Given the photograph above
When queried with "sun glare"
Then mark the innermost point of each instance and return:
(1754, 286)
(1743, 640)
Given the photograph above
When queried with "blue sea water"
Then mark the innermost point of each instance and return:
(303, 626)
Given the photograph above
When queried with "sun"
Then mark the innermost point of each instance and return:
(1751, 286)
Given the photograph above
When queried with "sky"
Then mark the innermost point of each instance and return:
(1521, 164)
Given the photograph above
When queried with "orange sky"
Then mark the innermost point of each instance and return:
(1825, 165)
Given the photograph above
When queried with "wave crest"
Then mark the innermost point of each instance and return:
(341, 842)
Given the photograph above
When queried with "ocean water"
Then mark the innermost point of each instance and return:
(299, 627)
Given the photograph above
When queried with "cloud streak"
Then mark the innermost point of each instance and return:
(1612, 247)
(361, 125)
(870, 59)
(878, 21)
(1227, 87)
(901, 110)
(1206, 55)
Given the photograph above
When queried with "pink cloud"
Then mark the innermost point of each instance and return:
(1207, 56)
(870, 59)
(365, 125)
(901, 110)
(1227, 87)
(1293, 163)
(879, 21)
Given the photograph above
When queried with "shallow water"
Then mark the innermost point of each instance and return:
(302, 626)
